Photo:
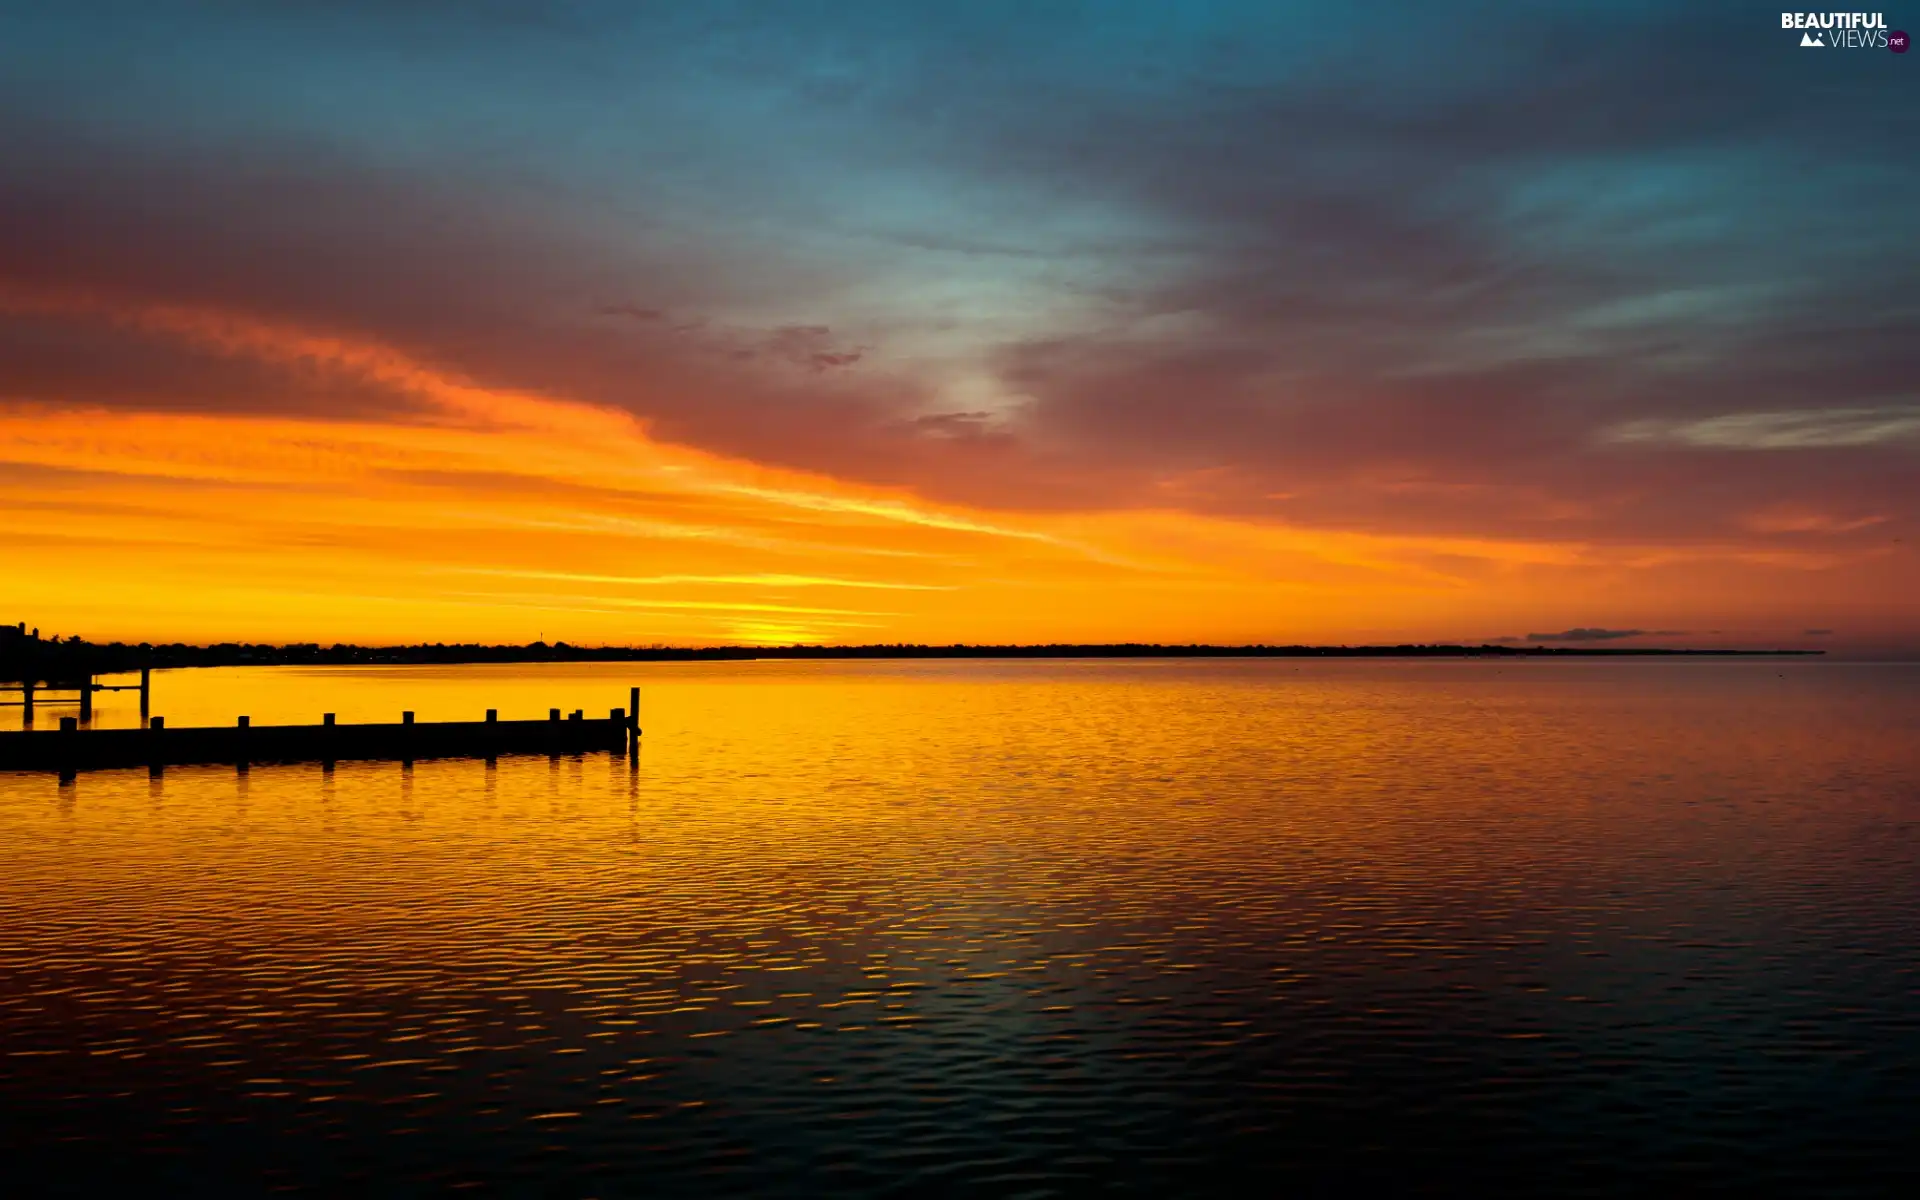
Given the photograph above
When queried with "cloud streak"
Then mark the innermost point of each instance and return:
(1589, 633)
(1793, 430)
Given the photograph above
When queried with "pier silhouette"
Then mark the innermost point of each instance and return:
(71, 748)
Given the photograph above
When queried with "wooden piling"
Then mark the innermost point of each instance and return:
(66, 761)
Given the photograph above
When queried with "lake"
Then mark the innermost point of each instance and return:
(1588, 927)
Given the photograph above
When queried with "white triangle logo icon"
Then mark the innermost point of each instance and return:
(1807, 39)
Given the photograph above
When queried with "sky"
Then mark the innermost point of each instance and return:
(791, 322)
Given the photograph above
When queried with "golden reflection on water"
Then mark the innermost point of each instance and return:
(842, 922)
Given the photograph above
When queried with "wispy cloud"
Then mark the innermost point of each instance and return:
(1802, 429)
(1801, 520)
(1597, 634)
(758, 581)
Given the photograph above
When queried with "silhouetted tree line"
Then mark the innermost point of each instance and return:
(24, 656)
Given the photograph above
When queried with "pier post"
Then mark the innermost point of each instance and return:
(146, 690)
(493, 716)
(156, 750)
(69, 732)
(86, 699)
(26, 702)
(243, 758)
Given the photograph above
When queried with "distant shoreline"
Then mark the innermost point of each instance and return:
(47, 660)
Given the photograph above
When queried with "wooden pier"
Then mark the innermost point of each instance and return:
(83, 690)
(71, 748)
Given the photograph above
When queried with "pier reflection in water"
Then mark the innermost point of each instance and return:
(1020, 927)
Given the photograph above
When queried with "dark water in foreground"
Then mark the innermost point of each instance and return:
(910, 928)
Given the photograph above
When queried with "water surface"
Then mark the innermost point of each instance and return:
(1040, 927)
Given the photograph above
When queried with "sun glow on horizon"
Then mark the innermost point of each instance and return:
(496, 515)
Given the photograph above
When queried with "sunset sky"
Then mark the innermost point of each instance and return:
(698, 323)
